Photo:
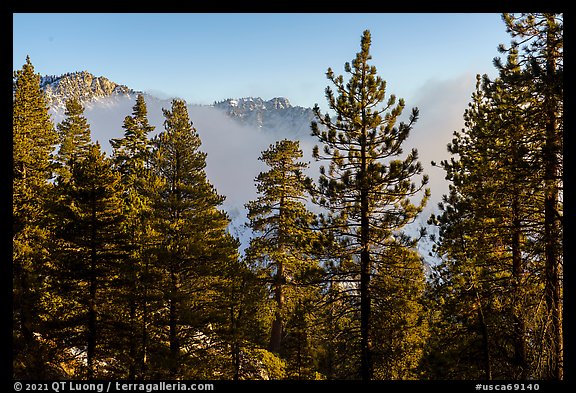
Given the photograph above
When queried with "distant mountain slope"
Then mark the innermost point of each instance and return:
(80, 84)
(276, 114)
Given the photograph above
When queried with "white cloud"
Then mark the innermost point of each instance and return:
(442, 104)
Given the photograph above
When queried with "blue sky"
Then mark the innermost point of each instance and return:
(207, 57)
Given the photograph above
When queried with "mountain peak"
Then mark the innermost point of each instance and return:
(80, 84)
(253, 103)
(274, 114)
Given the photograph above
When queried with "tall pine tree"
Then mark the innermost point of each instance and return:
(34, 140)
(131, 157)
(195, 248)
(282, 223)
(86, 261)
(542, 43)
(366, 191)
(282, 249)
(497, 268)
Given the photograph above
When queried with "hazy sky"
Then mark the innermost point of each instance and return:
(207, 57)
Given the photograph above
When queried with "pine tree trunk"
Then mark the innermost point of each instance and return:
(133, 345)
(485, 344)
(366, 365)
(132, 340)
(365, 300)
(235, 353)
(236, 360)
(517, 306)
(331, 352)
(173, 326)
(277, 324)
(551, 225)
(91, 348)
(299, 355)
(144, 356)
(552, 287)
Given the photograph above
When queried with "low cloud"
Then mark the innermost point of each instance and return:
(442, 104)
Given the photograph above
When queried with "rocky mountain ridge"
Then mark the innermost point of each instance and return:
(276, 114)
(81, 84)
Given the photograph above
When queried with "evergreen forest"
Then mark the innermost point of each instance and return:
(124, 268)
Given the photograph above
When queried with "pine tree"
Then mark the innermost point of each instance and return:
(302, 346)
(195, 248)
(245, 329)
(542, 54)
(132, 152)
(492, 228)
(476, 228)
(86, 262)
(131, 156)
(337, 325)
(365, 190)
(399, 330)
(462, 295)
(515, 148)
(73, 135)
(33, 139)
(282, 225)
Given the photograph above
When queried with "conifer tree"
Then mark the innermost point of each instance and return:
(301, 345)
(245, 329)
(283, 238)
(483, 228)
(131, 157)
(89, 251)
(399, 330)
(33, 141)
(464, 316)
(493, 230)
(515, 147)
(542, 54)
(366, 191)
(132, 152)
(194, 249)
(73, 135)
